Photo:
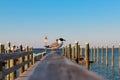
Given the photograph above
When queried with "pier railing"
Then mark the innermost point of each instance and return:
(11, 62)
(21, 61)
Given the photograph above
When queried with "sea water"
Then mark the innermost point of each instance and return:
(99, 68)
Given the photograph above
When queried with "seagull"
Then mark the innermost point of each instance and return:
(57, 44)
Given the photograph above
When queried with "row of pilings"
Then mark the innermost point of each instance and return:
(75, 54)
(86, 55)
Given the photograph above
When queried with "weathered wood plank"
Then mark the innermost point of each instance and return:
(56, 67)
(25, 75)
(5, 56)
(12, 69)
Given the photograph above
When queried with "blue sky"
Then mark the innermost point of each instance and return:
(27, 22)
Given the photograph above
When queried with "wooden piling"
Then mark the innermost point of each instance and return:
(13, 48)
(8, 61)
(119, 58)
(76, 51)
(8, 47)
(87, 56)
(7, 67)
(91, 52)
(73, 53)
(32, 59)
(2, 67)
(12, 76)
(94, 54)
(102, 59)
(68, 51)
(30, 56)
(107, 56)
(81, 52)
(21, 69)
(78, 55)
(63, 51)
(112, 56)
(2, 48)
(21, 48)
(20, 61)
(26, 57)
(98, 55)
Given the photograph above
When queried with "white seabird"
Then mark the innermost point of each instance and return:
(57, 44)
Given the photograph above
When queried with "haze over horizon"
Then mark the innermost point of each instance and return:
(27, 22)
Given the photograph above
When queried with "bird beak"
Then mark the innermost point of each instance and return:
(64, 40)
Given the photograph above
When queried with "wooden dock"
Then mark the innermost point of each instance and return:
(28, 72)
(56, 67)
(30, 66)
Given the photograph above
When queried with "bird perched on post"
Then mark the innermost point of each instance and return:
(57, 44)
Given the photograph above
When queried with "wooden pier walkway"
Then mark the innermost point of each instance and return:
(28, 72)
(56, 67)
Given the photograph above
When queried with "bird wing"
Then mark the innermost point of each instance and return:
(55, 44)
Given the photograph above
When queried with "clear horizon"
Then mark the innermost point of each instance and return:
(27, 22)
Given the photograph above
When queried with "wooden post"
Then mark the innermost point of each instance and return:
(119, 58)
(73, 53)
(8, 47)
(98, 55)
(20, 61)
(21, 69)
(94, 54)
(76, 51)
(69, 51)
(8, 61)
(21, 48)
(2, 67)
(16, 73)
(8, 66)
(102, 55)
(107, 56)
(12, 76)
(78, 55)
(13, 48)
(112, 56)
(32, 59)
(87, 56)
(2, 48)
(91, 53)
(81, 52)
(63, 51)
(26, 57)
(30, 56)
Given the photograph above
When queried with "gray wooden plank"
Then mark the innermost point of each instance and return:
(56, 67)
(25, 75)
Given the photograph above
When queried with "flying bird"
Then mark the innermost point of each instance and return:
(57, 44)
